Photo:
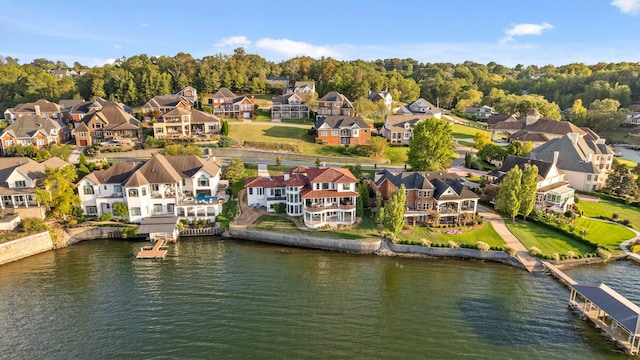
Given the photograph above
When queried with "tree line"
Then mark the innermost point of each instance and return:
(136, 79)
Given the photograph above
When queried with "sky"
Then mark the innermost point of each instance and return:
(508, 32)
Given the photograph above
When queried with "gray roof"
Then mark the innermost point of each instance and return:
(224, 93)
(29, 125)
(340, 121)
(45, 106)
(158, 224)
(614, 304)
(70, 103)
(115, 174)
(439, 181)
(572, 156)
(166, 101)
(114, 117)
(399, 121)
(512, 161)
(335, 96)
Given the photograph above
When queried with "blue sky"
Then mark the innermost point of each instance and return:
(508, 32)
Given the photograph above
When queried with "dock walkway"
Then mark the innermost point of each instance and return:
(155, 252)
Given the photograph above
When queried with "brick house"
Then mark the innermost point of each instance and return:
(32, 130)
(179, 123)
(342, 130)
(164, 104)
(334, 103)
(227, 104)
(432, 197)
(109, 123)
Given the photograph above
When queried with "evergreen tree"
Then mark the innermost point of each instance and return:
(379, 209)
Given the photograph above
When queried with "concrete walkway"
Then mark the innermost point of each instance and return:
(530, 263)
(74, 157)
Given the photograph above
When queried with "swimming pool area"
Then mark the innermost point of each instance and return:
(203, 198)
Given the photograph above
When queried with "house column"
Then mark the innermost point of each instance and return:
(13, 201)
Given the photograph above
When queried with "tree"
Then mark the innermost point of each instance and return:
(58, 190)
(621, 181)
(120, 209)
(378, 145)
(363, 198)
(508, 198)
(578, 113)
(394, 211)
(432, 146)
(605, 114)
(480, 139)
(278, 161)
(379, 219)
(224, 128)
(235, 171)
(492, 152)
(528, 189)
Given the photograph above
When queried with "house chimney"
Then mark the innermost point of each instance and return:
(286, 177)
(589, 156)
(555, 157)
(574, 138)
(600, 141)
(37, 109)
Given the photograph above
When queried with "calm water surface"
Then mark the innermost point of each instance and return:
(231, 299)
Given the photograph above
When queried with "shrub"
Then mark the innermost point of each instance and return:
(635, 248)
(424, 242)
(32, 224)
(129, 232)
(604, 253)
(615, 216)
(570, 254)
(534, 251)
(225, 141)
(72, 222)
(280, 208)
(511, 251)
(104, 217)
(452, 244)
(556, 256)
(483, 246)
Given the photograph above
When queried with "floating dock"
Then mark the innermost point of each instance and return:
(157, 251)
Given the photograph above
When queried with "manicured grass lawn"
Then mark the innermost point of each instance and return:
(547, 240)
(366, 230)
(461, 131)
(62, 151)
(483, 233)
(466, 143)
(607, 208)
(396, 154)
(308, 122)
(229, 210)
(628, 163)
(605, 234)
(263, 101)
(261, 116)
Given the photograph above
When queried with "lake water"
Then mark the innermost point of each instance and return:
(214, 299)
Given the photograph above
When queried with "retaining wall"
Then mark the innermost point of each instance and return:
(91, 232)
(312, 242)
(272, 155)
(458, 253)
(24, 247)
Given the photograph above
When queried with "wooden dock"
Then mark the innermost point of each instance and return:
(157, 251)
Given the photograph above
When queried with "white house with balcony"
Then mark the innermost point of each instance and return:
(183, 186)
(321, 196)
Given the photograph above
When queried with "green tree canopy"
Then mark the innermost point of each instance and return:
(235, 171)
(432, 146)
(394, 211)
(508, 199)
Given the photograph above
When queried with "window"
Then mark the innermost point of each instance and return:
(9, 142)
(92, 210)
(88, 190)
(41, 142)
(324, 133)
(135, 211)
(170, 208)
(157, 208)
(250, 191)
(425, 206)
(117, 189)
(588, 177)
(144, 191)
(133, 193)
(21, 184)
(346, 186)
(334, 132)
(260, 191)
(82, 134)
(407, 135)
(203, 181)
(155, 187)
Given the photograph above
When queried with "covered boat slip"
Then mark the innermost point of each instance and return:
(160, 227)
(612, 312)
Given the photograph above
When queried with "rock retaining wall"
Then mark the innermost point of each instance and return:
(24, 247)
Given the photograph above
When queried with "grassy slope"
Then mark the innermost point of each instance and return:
(607, 208)
(364, 231)
(605, 234)
(484, 233)
(547, 240)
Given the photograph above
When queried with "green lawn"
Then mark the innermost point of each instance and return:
(229, 210)
(62, 151)
(263, 101)
(466, 143)
(396, 154)
(605, 234)
(547, 240)
(366, 230)
(628, 163)
(607, 208)
(462, 132)
(483, 233)
(308, 122)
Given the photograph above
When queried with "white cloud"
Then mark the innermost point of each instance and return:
(116, 46)
(525, 29)
(233, 41)
(293, 48)
(627, 6)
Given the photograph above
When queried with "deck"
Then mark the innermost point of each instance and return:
(157, 251)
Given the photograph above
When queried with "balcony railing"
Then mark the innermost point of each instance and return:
(320, 208)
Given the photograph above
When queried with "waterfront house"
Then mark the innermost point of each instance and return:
(184, 186)
(80, 109)
(342, 130)
(227, 104)
(382, 96)
(432, 197)
(32, 130)
(420, 107)
(190, 93)
(333, 104)
(398, 129)
(633, 118)
(321, 196)
(108, 124)
(164, 104)
(553, 192)
(179, 123)
(304, 87)
(19, 179)
(584, 161)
